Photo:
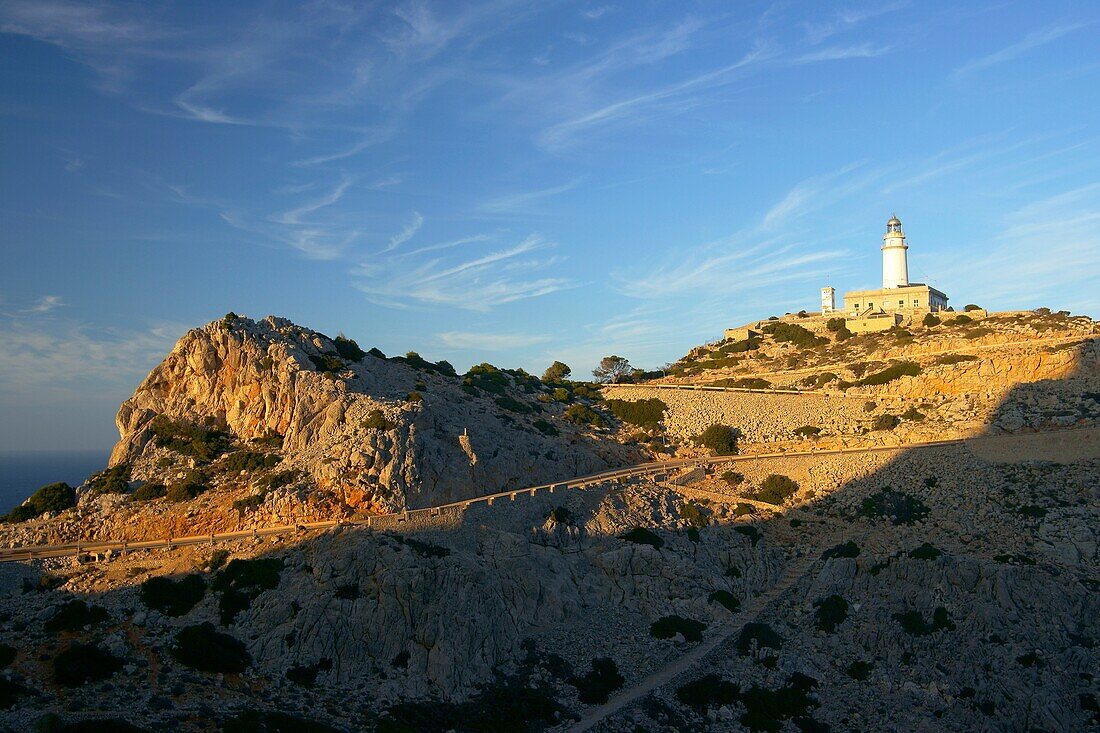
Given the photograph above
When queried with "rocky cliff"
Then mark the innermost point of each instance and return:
(381, 433)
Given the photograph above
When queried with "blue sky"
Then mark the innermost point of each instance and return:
(517, 182)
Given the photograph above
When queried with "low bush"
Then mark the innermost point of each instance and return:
(757, 635)
(280, 479)
(890, 373)
(187, 488)
(596, 686)
(859, 670)
(694, 515)
(971, 307)
(242, 580)
(244, 460)
(948, 359)
(203, 648)
(348, 349)
(912, 414)
(645, 413)
(899, 507)
(930, 320)
(53, 498)
(643, 536)
(74, 616)
(723, 597)
(733, 478)
(925, 552)
(722, 439)
(149, 491)
(377, 420)
(808, 431)
(913, 623)
(831, 612)
(776, 489)
(114, 480)
(768, 710)
(173, 597)
(843, 334)
(667, 627)
(306, 674)
(792, 333)
(584, 415)
(711, 691)
(960, 320)
(743, 510)
(835, 324)
(846, 549)
(511, 404)
(198, 442)
(886, 421)
(217, 560)
(82, 663)
(414, 397)
(545, 427)
(560, 515)
(743, 383)
(749, 531)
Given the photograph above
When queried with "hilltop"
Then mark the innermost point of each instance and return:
(789, 587)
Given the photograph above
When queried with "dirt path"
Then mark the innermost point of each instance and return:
(666, 674)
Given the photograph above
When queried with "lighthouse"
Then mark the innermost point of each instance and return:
(895, 267)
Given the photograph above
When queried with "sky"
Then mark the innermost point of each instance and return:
(517, 182)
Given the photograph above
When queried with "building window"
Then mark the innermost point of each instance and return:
(870, 304)
(901, 304)
(916, 303)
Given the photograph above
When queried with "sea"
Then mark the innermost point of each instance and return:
(23, 472)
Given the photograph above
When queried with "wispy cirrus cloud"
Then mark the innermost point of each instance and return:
(479, 283)
(407, 232)
(1032, 40)
(524, 202)
(490, 341)
(45, 304)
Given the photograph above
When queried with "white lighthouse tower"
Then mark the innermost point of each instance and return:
(895, 267)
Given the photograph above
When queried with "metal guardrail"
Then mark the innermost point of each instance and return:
(92, 547)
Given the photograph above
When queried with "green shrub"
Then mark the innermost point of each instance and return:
(377, 420)
(348, 349)
(793, 333)
(925, 552)
(759, 634)
(743, 510)
(899, 507)
(544, 427)
(82, 663)
(596, 686)
(733, 478)
(831, 612)
(808, 431)
(930, 320)
(847, 549)
(241, 581)
(912, 414)
(415, 397)
(203, 648)
(886, 421)
(74, 616)
(722, 439)
(971, 307)
(667, 627)
(914, 624)
(711, 691)
(149, 491)
(768, 710)
(646, 413)
(835, 324)
(743, 383)
(306, 674)
(960, 320)
(726, 599)
(561, 515)
(859, 670)
(561, 394)
(217, 559)
(114, 480)
(890, 373)
(749, 531)
(776, 489)
(583, 415)
(843, 334)
(187, 488)
(190, 440)
(173, 598)
(53, 498)
(511, 404)
(282, 478)
(643, 536)
(1031, 510)
(694, 515)
(955, 358)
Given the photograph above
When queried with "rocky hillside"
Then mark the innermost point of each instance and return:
(248, 423)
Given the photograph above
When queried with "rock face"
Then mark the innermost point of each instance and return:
(273, 378)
